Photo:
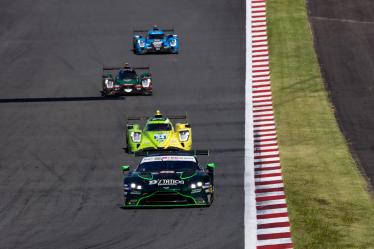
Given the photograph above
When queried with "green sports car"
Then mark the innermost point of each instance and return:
(158, 134)
(174, 179)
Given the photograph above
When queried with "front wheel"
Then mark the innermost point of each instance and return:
(127, 149)
(211, 199)
(139, 51)
(147, 93)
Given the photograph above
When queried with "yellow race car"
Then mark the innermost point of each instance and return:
(158, 134)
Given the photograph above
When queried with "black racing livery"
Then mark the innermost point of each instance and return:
(171, 179)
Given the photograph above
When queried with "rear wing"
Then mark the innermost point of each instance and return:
(106, 69)
(148, 68)
(184, 117)
(168, 30)
(171, 153)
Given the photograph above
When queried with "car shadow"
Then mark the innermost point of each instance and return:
(60, 99)
(154, 53)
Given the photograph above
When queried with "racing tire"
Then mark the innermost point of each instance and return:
(134, 48)
(147, 93)
(211, 201)
(105, 94)
(127, 150)
(141, 52)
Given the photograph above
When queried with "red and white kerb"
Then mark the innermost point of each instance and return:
(273, 225)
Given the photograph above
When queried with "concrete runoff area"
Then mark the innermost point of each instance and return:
(61, 146)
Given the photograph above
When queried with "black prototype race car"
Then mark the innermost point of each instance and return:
(126, 81)
(168, 180)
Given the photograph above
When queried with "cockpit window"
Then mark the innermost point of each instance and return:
(156, 36)
(177, 166)
(127, 74)
(158, 127)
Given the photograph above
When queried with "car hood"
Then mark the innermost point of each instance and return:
(148, 176)
(127, 81)
(167, 180)
(159, 138)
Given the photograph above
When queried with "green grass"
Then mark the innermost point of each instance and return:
(329, 203)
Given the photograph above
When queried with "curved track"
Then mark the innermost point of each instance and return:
(61, 144)
(344, 39)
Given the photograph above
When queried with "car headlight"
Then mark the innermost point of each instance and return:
(196, 185)
(136, 186)
(109, 83)
(184, 135)
(173, 43)
(136, 137)
(146, 82)
(141, 43)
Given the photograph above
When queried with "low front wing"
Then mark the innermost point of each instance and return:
(169, 198)
(138, 140)
(110, 87)
(144, 46)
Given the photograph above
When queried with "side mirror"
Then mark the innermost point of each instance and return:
(125, 168)
(211, 166)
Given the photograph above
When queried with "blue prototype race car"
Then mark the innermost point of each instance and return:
(155, 40)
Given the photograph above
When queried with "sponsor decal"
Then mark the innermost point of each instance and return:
(153, 182)
(157, 44)
(168, 158)
(166, 182)
(167, 172)
(159, 137)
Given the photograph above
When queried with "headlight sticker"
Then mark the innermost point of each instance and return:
(184, 135)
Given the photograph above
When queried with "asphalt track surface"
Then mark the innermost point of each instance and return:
(62, 144)
(344, 40)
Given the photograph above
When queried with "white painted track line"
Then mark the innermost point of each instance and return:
(250, 219)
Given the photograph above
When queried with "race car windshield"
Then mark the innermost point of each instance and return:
(177, 166)
(127, 74)
(156, 36)
(158, 127)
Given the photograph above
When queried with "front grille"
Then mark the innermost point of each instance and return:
(166, 198)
